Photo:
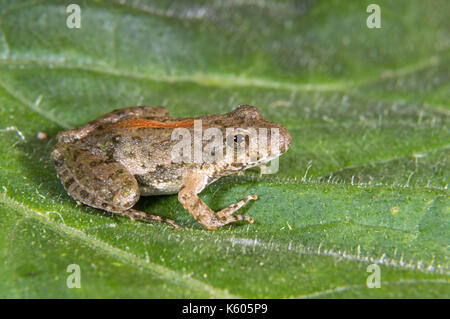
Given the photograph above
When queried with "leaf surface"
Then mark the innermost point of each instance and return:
(365, 180)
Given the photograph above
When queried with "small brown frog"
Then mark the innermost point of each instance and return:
(113, 160)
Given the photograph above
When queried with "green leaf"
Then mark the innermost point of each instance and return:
(365, 181)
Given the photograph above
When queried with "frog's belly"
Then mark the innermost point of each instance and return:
(160, 188)
(160, 182)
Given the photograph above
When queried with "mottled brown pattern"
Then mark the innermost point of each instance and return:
(113, 160)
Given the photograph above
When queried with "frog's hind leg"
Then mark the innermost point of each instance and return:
(99, 183)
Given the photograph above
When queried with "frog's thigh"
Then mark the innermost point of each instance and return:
(194, 184)
(95, 181)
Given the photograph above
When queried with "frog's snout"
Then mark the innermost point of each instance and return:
(285, 139)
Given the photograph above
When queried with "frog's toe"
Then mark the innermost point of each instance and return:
(135, 214)
(243, 217)
(225, 220)
(226, 212)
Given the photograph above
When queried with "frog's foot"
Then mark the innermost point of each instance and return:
(216, 221)
(226, 214)
(135, 214)
(188, 197)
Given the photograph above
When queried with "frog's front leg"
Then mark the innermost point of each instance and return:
(194, 183)
(99, 183)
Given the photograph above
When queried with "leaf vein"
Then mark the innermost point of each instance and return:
(352, 287)
(32, 106)
(118, 253)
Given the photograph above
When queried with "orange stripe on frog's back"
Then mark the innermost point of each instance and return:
(138, 123)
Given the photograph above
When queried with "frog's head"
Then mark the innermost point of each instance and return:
(247, 132)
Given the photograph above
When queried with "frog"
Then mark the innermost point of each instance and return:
(113, 160)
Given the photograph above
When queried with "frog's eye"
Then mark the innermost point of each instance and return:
(239, 138)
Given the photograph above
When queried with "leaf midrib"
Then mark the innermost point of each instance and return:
(223, 80)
